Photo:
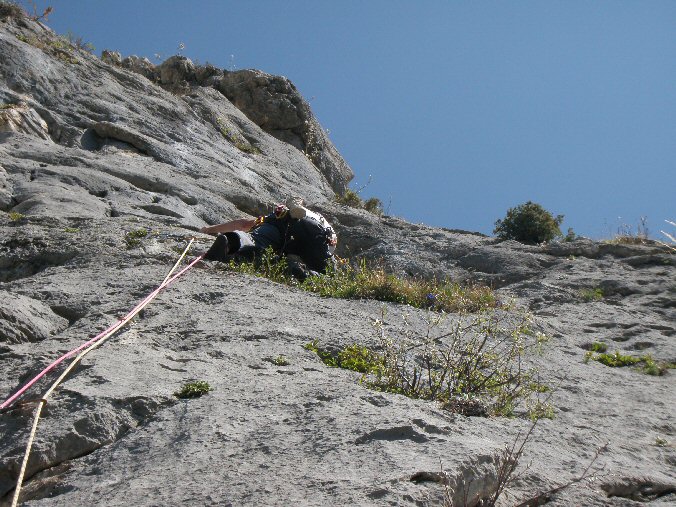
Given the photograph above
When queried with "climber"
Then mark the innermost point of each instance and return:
(305, 237)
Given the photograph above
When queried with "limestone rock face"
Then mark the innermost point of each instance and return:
(108, 170)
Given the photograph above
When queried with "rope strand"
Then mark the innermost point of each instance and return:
(93, 344)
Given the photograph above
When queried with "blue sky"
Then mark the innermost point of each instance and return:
(457, 110)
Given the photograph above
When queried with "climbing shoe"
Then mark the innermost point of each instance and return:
(219, 250)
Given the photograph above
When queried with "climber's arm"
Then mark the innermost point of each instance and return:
(243, 224)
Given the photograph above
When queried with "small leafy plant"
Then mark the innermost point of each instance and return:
(354, 357)
(529, 223)
(626, 235)
(133, 238)
(646, 364)
(236, 139)
(351, 198)
(598, 347)
(10, 9)
(15, 216)
(280, 360)
(589, 295)
(194, 390)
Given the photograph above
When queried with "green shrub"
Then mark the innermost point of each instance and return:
(133, 238)
(237, 140)
(374, 205)
(280, 360)
(10, 9)
(354, 357)
(472, 367)
(15, 216)
(616, 360)
(598, 347)
(646, 364)
(627, 236)
(194, 390)
(529, 223)
(589, 295)
(350, 198)
(78, 42)
(367, 282)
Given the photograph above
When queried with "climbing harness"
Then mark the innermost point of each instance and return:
(83, 350)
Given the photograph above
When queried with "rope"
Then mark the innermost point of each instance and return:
(24, 463)
(167, 281)
(102, 337)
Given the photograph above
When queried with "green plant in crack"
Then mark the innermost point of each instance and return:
(366, 281)
(280, 360)
(133, 238)
(15, 216)
(589, 295)
(644, 364)
(236, 139)
(194, 389)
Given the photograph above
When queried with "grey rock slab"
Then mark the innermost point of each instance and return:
(127, 173)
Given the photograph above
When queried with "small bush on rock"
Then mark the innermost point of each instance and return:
(474, 367)
(133, 238)
(194, 390)
(529, 223)
(589, 295)
(10, 10)
(351, 198)
(646, 364)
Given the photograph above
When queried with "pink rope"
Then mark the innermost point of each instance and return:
(110, 330)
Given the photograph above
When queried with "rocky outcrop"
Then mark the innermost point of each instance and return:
(95, 208)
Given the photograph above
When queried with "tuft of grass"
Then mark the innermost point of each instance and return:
(133, 238)
(616, 360)
(237, 140)
(15, 216)
(598, 347)
(661, 442)
(280, 360)
(71, 230)
(646, 364)
(364, 281)
(58, 47)
(374, 205)
(194, 390)
(354, 357)
(656, 368)
(10, 9)
(350, 198)
(373, 282)
(589, 295)
(77, 42)
(539, 409)
(626, 235)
